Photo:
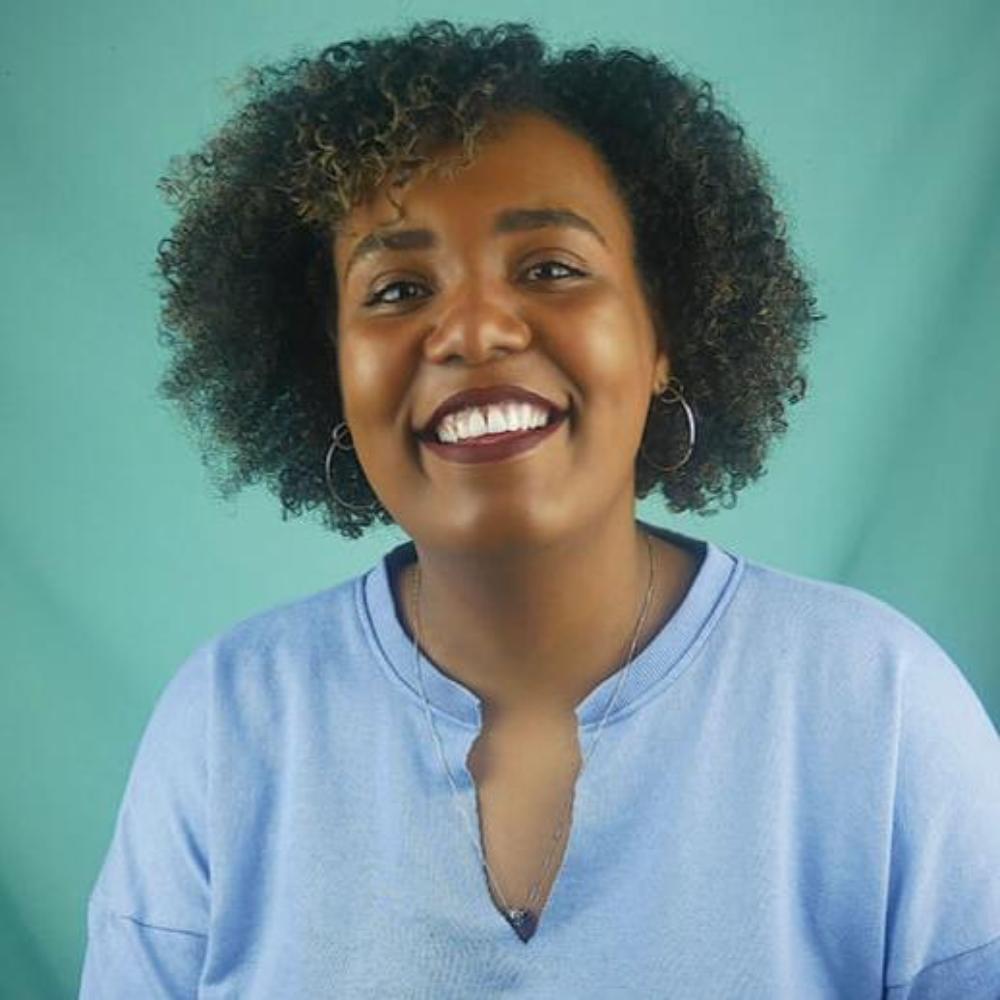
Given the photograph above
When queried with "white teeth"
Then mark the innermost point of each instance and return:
(496, 420)
(475, 421)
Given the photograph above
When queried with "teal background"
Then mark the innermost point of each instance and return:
(880, 122)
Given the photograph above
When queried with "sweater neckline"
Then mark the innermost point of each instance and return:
(665, 656)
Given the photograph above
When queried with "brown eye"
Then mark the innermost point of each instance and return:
(574, 272)
(378, 297)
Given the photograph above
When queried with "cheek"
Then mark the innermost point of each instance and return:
(607, 353)
(372, 378)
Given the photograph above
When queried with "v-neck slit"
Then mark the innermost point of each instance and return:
(458, 714)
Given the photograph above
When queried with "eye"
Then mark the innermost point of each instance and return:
(378, 298)
(574, 272)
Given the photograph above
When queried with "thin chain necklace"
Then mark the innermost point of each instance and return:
(524, 920)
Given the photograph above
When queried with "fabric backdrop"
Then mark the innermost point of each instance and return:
(881, 123)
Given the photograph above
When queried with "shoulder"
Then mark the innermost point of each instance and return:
(298, 624)
(841, 651)
(269, 657)
(814, 599)
(830, 616)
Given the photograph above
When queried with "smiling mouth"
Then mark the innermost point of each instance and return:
(492, 447)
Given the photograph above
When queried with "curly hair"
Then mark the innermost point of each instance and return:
(249, 313)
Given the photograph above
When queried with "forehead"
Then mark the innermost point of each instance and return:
(527, 161)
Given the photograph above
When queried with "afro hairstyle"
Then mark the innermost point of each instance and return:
(249, 309)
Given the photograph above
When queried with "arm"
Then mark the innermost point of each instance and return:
(943, 930)
(147, 916)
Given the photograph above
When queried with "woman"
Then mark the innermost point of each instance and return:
(448, 281)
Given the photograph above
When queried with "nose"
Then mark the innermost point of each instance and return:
(475, 326)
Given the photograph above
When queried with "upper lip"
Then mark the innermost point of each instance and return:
(482, 396)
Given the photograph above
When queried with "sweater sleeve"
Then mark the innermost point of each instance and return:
(943, 928)
(148, 911)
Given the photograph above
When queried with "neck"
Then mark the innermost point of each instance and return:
(541, 626)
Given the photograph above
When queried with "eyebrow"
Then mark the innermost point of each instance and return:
(506, 221)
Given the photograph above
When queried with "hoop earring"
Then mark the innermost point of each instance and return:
(337, 436)
(675, 386)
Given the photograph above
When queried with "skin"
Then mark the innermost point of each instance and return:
(533, 568)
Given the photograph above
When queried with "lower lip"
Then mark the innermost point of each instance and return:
(493, 447)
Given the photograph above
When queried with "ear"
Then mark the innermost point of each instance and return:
(661, 372)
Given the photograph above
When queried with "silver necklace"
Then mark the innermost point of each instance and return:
(524, 920)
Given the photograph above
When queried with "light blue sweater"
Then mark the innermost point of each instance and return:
(797, 795)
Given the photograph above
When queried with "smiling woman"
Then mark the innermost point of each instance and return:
(449, 281)
(490, 316)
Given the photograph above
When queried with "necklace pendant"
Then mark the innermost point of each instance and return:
(524, 923)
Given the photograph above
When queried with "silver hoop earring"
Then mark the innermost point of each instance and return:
(337, 437)
(674, 385)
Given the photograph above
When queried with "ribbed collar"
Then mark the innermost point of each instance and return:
(670, 649)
